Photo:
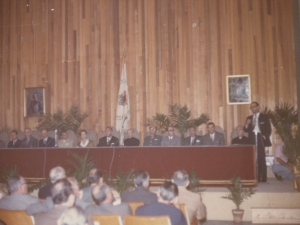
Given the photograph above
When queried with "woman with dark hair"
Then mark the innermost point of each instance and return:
(84, 141)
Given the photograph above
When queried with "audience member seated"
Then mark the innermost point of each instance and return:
(281, 168)
(167, 198)
(65, 142)
(240, 139)
(103, 198)
(84, 141)
(171, 139)
(29, 141)
(141, 193)
(109, 139)
(15, 142)
(46, 141)
(18, 198)
(94, 178)
(213, 137)
(193, 139)
(153, 139)
(62, 197)
(55, 174)
(2, 144)
(131, 141)
(73, 216)
(193, 203)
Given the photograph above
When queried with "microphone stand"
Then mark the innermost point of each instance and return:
(256, 153)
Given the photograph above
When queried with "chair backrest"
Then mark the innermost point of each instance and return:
(134, 206)
(4, 136)
(15, 217)
(21, 135)
(72, 136)
(147, 220)
(113, 219)
(183, 210)
(91, 135)
(36, 134)
(220, 129)
(51, 133)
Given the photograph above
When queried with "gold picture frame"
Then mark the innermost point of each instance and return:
(238, 89)
(34, 101)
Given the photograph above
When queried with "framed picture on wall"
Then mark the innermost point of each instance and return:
(34, 101)
(238, 89)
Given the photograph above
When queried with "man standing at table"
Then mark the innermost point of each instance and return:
(259, 128)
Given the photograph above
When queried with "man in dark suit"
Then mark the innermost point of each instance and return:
(131, 141)
(109, 139)
(29, 141)
(46, 141)
(103, 198)
(193, 139)
(153, 139)
(213, 137)
(141, 193)
(259, 128)
(15, 142)
(240, 139)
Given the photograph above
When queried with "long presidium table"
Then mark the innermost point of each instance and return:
(214, 165)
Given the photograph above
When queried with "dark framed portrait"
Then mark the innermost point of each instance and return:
(34, 101)
(238, 89)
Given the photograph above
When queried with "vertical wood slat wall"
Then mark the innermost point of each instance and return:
(177, 51)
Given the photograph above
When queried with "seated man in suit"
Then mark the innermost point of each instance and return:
(65, 141)
(2, 144)
(153, 139)
(240, 139)
(18, 198)
(193, 203)
(15, 142)
(131, 141)
(103, 197)
(55, 174)
(167, 198)
(46, 141)
(193, 139)
(141, 193)
(109, 139)
(94, 178)
(213, 137)
(171, 139)
(29, 141)
(73, 216)
(62, 197)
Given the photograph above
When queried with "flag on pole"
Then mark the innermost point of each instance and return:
(123, 107)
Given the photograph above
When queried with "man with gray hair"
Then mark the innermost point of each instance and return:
(29, 141)
(240, 139)
(130, 140)
(193, 203)
(94, 178)
(141, 193)
(167, 198)
(73, 216)
(18, 198)
(55, 174)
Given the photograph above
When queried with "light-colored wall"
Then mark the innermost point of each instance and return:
(176, 51)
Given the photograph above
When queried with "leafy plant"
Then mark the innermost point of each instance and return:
(161, 121)
(237, 193)
(5, 174)
(194, 185)
(82, 166)
(291, 149)
(62, 121)
(123, 181)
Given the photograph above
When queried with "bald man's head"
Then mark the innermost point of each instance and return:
(102, 194)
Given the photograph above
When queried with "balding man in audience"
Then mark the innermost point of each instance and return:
(171, 139)
(18, 198)
(103, 198)
(29, 141)
(193, 203)
(153, 139)
(240, 139)
(65, 141)
(73, 216)
(141, 193)
(55, 174)
(15, 142)
(46, 141)
(109, 139)
(131, 141)
(213, 137)
(63, 198)
(167, 198)
(94, 178)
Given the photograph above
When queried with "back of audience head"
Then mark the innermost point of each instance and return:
(141, 179)
(181, 178)
(73, 216)
(168, 193)
(95, 177)
(57, 173)
(62, 193)
(102, 194)
(74, 186)
(17, 184)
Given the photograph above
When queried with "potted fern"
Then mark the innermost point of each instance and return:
(238, 194)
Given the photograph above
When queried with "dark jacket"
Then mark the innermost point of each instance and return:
(33, 143)
(243, 141)
(197, 141)
(113, 142)
(17, 144)
(131, 142)
(49, 143)
(140, 194)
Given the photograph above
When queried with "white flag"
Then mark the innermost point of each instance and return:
(123, 107)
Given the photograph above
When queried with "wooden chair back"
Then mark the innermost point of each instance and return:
(15, 217)
(183, 210)
(112, 219)
(134, 206)
(147, 220)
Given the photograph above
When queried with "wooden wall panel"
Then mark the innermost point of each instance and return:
(177, 51)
